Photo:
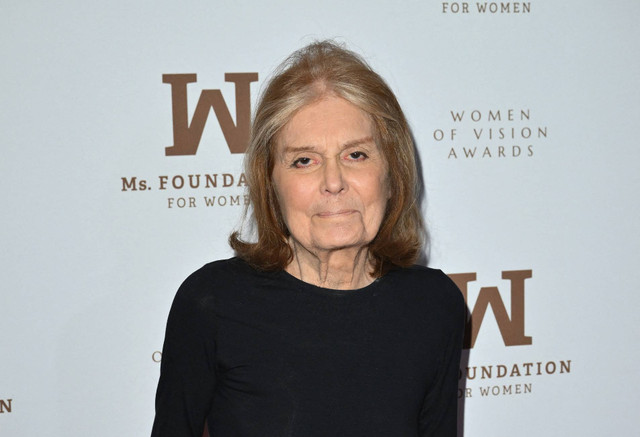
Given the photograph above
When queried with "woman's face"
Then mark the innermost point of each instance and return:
(330, 177)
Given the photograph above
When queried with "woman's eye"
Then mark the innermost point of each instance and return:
(301, 162)
(357, 156)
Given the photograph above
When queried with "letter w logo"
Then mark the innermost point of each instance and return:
(511, 329)
(186, 137)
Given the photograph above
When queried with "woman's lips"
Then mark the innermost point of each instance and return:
(339, 213)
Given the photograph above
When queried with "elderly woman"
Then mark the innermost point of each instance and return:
(322, 326)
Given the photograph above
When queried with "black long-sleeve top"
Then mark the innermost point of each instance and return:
(264, 354)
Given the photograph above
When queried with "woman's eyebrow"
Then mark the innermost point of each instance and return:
(352, 143)
(295, 149)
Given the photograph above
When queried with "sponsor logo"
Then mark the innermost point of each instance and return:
(189, 184)
(489, 134)
(490, 8)
(511, 327)
(213, 189)
(187, 135)
(506, 379)
(5, 405)
(501, 379)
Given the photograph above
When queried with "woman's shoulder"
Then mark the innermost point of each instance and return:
(424, 275)
(215, 275)
(221, 269)
(430, 284)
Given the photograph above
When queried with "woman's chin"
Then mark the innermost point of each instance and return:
(340, 242)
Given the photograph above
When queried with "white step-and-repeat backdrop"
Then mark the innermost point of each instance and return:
(525, 116)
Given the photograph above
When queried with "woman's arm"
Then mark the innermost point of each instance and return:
(439, 414)
(187, 372)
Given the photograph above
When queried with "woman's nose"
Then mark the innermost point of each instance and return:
(334, 182)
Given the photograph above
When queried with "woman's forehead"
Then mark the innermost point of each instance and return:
(332, 118)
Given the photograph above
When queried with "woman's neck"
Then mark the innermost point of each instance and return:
(344, 269)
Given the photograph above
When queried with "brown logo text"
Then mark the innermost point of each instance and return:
(186, 136)
(511, 328)
(5, 406)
